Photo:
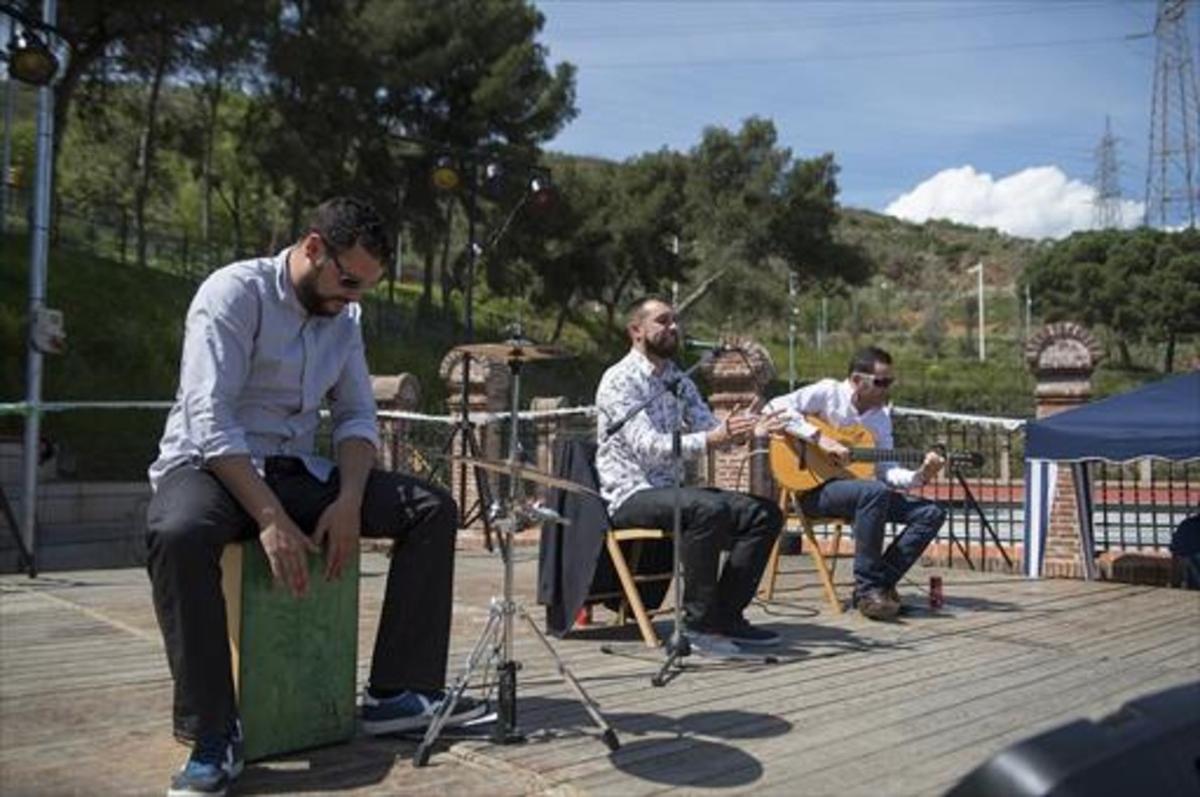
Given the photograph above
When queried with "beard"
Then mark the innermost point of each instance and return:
(313, 301)
(665, 345)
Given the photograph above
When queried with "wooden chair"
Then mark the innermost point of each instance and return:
(619, 589)
(625, 567)
(631, 600)
(789, 502)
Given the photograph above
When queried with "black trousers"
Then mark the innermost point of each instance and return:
(712, 520)
(192, 516)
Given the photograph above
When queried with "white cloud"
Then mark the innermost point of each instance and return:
(1040, 202)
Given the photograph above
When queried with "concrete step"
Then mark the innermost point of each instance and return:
(78, 546)
(12, 464)
(74, 502)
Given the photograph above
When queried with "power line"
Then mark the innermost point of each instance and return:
(862, 56)
(677, 28)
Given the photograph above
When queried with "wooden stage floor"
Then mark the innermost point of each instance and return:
(851, 707)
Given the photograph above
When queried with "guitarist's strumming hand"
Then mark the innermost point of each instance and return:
(932, 465)
(837, 453)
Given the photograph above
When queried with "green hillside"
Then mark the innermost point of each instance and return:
(124, 330)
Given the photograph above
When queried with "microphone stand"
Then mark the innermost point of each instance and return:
(679, 647)
(468, 441)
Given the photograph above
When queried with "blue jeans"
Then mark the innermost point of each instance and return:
(869, 505)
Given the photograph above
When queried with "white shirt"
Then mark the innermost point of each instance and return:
(638, 456)
(256, 368)
(832, 401)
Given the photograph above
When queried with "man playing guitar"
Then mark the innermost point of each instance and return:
(869, 504)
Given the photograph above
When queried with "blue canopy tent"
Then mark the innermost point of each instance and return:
(1160, 420)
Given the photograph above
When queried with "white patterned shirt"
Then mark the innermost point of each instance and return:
(832, 401)
(638, 456)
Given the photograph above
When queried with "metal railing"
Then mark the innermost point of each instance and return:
(985, 519)
(1137, 506)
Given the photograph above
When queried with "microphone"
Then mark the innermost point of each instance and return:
(544, 514)
(705, 345)
(540, 513)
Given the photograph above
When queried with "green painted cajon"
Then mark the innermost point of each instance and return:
(294, 659)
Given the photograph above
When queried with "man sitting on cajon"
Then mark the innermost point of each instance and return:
(266, 342)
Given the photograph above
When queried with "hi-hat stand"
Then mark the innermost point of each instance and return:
(495, 643)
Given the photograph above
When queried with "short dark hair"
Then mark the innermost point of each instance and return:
(343, 221)
(864, 360)
(633, 310)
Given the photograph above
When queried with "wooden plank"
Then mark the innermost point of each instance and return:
(854, 708)
(764, 679)
(657, 705)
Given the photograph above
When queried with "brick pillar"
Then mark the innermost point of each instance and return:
(400, 393)
(548, 429)
(736, 377)
(1062, 357)
(487, 391)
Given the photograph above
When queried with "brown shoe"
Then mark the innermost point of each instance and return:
(874, 604)
(892, 595)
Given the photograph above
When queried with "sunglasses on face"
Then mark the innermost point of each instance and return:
(882, 382)
(350, 282)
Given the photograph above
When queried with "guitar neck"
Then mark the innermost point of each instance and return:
(905, 456)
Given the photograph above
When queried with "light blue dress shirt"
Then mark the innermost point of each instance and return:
(256, 368)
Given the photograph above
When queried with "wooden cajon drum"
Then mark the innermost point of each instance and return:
(294, 659)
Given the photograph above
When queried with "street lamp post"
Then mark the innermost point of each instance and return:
(792, 312)
(1028, 311)
(978, 268)
(38, 255)
(823, 324)
(6, 157)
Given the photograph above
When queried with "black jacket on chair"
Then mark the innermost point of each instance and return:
(572, 562)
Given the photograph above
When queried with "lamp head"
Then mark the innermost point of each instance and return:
(445, 175)
(30, 60)
(542, 193)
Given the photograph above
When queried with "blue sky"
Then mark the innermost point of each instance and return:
(959, 96)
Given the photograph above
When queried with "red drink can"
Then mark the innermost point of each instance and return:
(583, 617)
(936, 598)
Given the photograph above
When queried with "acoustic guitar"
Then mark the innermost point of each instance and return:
(800, 466)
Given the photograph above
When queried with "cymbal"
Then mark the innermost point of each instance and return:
(514, 350)
(527, 473)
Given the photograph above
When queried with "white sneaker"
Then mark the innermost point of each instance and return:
(714, 646)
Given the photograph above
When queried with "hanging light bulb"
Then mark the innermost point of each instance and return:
(29, 59)
(445, 176)
(542, 194)
(492, 183)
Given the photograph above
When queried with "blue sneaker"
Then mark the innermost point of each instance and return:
(214, 763)
(411, 710)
